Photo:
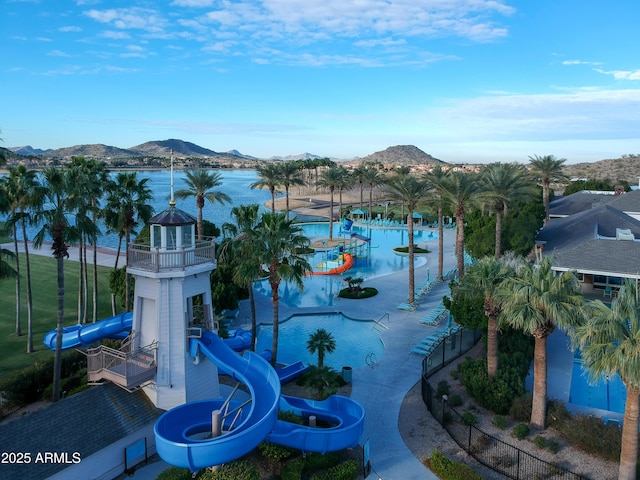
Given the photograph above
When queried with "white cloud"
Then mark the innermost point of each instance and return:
(115, 35)
(130, 18)
(621, 74)
(70, 28)
(58, 53)
(191, 3)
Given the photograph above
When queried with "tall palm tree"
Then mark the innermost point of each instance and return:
(25, 195)
(372, 178)
(321, 341)
(289, 176)
(345, 181)
(127, 207)
(411, 190)
(279, 242)
(547, 169)
(434, 178)
(241, 249)
(269, 178)
(55, 224)
(200, 184)
(503, 184)
(330, 178)
(485, 278)
(359, 177)
(459, 191)
(608, 340)
(90, 178)
(536, 301)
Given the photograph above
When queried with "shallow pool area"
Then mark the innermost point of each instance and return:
(355, 339)
(372, 258)
(607, 394)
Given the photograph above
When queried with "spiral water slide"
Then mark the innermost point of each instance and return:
(184, 434)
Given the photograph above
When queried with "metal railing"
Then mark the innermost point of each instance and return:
(126, 369)
(490, 451)
(142, 256)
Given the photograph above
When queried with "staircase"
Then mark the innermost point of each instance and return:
(126, 369)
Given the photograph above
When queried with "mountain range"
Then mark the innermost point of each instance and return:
(399, 155)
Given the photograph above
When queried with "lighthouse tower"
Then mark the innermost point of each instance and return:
(172, 303)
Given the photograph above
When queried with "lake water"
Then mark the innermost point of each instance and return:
(235, 183)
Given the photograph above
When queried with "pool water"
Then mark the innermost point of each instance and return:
(355, 339)
(607, 394)
(371, 259)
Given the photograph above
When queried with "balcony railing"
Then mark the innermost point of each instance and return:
(143, 256)
(128, 370)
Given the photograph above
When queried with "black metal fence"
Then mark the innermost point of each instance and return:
(486, 449)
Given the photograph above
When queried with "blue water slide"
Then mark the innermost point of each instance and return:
(84, 335)
(179, 432)
(342, 421)
(183, 433)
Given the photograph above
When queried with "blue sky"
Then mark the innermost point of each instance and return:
(464, 80)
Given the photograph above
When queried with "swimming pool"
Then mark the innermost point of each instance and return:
(355, 339)
(607, 394)
(372, 259)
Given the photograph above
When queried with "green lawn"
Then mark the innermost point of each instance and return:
(44, 283)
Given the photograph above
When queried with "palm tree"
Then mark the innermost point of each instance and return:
(536, 301)
(547, 169)
(7, 258)
(371, 178)
(330, 178)
(434, 178)
(241, 249)
(412, 191)
(25, 195)
(322, 342)
(359, 174)
(345, 181)
(485, 278)
(502, 185)
(288, 177)
(90, 180)
(269, 174)
(608, 340)
(127, 207)
(459, 191)
(199, 185)
(55, 224)
(279, 242)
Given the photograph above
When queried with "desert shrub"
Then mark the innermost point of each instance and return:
(500, 421)
(293, 469)
(494, 393)
(443, 388)
(520, 409)
(448, 469)
(520, 431)
(591, 435)
(344, 471)
(236, 470)
(455, 400)
(557, 414)
(176, 473)
(469, 418)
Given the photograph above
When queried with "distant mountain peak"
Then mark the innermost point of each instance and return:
(401, 155)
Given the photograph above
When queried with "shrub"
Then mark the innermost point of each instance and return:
(593, 436)
(344, 471)
(443, 388)
(175, 473)
(520, 431)
(290, 416)
(447, 469)
(557, 414)
(293, 469)
(520, 409)
(317, 461)
(455, 400)
(236, 470)
(273, 452)
(500, 421)
(469, 418)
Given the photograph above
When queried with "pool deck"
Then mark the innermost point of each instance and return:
(381, 387)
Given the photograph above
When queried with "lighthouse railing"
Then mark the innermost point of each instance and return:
(146, 257)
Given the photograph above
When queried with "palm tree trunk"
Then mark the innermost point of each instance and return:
(545, 201)
(254, 326)
(460, 244)
(115, 267)
(94, 315)
(85, 286)
(273, 200)
(492, 345)
(340, 203)
(29, 289)
(440, 244)
(286, 200)
(539, 405)
(57, 361)
(18, 302)
(127, 276)
(412, 278)
(200, 223)
(371, 203)
(629, 451)
(498, 233)
(275, 300)
(330, 214)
